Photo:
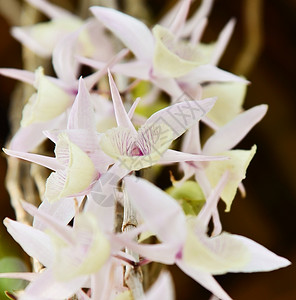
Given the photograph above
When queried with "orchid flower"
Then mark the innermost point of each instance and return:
(224, 139)
(46, 109)
(186, 243)
(160, 56)
(42, 38)
(74, 257)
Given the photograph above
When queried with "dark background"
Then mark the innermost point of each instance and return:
(268, 213)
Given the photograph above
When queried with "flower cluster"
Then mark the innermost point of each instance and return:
(105, 135)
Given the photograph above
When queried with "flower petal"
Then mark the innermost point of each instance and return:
(133, 33)
(236, 165)
(22, 75)
(233, 132)
(35, 243)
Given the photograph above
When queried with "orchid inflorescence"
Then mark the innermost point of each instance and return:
(108, 155)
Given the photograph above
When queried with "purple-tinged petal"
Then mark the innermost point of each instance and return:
(168, 85)
(121, 115)
(133, 108)
(204, 279)
(35, 243)
(133, 33)
(46, 161)
(191, 140)
(233, 132)
(21, 75)
(149, 199)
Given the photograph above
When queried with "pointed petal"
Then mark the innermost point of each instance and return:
(29, 276)
(63, 58)
(133, 33)
(202, 12)
(212, 201)
(92, 79)
(62, 210)
(222, 41)
(47, 287)
(179, 20)
(46, 161)
(133, 108)
(173, 156)
(24, 36)
(191, 140)
(204, 279)
(163, 288)
(148, 199)
(261, 259)
(182, 116)
(63, 231)
(121, 115)
(237, 166)
(82, 114)
(49, 9)
(35, 243)
(168, 85)
(207, 73)
(22, 75)
(233, 132)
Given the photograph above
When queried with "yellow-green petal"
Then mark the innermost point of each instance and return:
(78, 174)
(175, 58)
(215, 255)
(47, 103)
(229, 102)
(236, 165)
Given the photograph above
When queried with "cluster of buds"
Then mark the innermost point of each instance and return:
(102, 219)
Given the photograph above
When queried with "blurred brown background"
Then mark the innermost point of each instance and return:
(265, 39)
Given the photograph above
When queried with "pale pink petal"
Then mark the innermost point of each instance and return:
(173, 156)
(28, 138)
(92, 79)
(198, 31)
(202, 12)
(204, 279)
(62, 210)
(121, 115)
(133, 33)
(149, 199)
(46, 161)
(163, 288)
(47, 287)
(179, 20)
(63, 58)
(82, 114)
(21, 75)
(261, 259)
(205, 73)
(133, 108)
(222, 41)
(182, 116)
(191, 140)
(136, 69)
(63, 231)
(29, 276)
(49, 9)
(168, 85)
(233, 132)
(212, 201)
(35, 243)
